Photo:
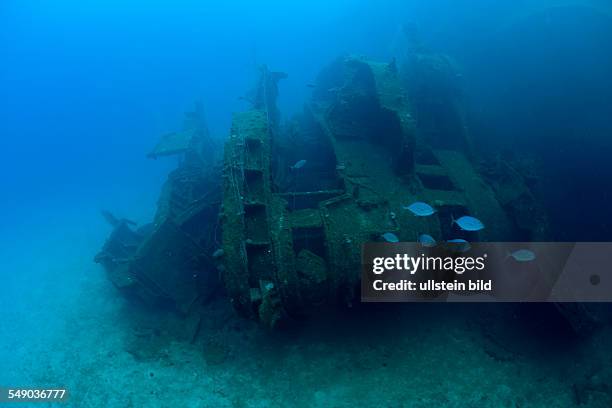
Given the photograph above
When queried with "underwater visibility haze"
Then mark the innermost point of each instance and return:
(186, 188)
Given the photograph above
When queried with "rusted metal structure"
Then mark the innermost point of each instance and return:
(283, 221)
(292, 235)
(169, 260)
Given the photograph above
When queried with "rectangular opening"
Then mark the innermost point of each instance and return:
(260, 259)
(308, 199)
(256, 224)
(253, 160)
(311, 239)
(254, 186)
(253, 143)
(436, 182)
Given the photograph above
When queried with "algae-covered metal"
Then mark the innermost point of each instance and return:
(283, 222)
(169, 261)
(292, 238)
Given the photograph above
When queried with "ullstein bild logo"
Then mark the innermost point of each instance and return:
(487, 272)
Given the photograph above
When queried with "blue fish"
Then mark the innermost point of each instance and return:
(427, 240)
(522, 255)
(459, 245)
(420, 209)
(390, 237)
(298, 165)
(468, 223)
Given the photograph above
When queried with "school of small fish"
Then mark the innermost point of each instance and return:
(465, 223)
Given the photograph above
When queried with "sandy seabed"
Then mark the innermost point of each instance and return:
(63, 324)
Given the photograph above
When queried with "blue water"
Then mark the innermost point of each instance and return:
(88, 87)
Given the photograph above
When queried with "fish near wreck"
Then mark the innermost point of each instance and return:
(390, 237)
(427, 240)
(468, 223)
(459, 245)
(420, 209)
(298, 165)
(522, 255)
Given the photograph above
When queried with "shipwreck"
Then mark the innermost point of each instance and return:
(275, 219)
